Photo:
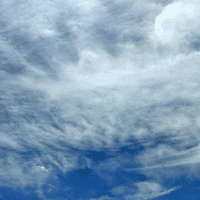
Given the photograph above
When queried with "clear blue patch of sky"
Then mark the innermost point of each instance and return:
(84, 183)
(7, 193)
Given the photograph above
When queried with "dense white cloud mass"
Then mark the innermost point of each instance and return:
(177, 23)
(89, 75)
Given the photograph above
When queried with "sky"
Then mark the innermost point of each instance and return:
(99, 100)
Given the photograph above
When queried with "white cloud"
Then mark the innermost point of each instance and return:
(148, 190)
(17, 173)
(85, 6)
(177, 20)
(145, 190)
(165, 162)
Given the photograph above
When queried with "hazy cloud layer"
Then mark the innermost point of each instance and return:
(84, 76)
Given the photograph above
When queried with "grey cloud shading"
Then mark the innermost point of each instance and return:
(123, 23)
(194, 42)
(41, 51)
(108, 39)
(163, 2)
(10, 66)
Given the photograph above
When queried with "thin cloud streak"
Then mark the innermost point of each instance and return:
(186, 158)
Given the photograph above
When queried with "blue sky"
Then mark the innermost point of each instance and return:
(99, 100)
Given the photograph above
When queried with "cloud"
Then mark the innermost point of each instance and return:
(88, 76)
(141, 190)
(176, 23)
(164, 156)
(148, 190)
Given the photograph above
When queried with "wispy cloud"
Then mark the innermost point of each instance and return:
(139, 191)
(148, 190)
